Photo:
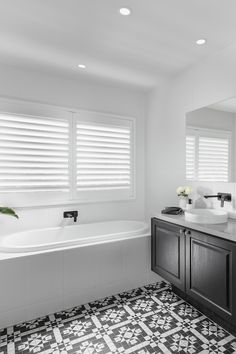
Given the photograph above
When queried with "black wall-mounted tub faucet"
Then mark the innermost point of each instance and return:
(71, 214)
(223, 197)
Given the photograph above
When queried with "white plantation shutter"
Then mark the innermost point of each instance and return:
(34, 154)
(51, 156)
(190, 157)
(208, 155)
(103, 156)
(213, 162)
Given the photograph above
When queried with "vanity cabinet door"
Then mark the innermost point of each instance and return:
(168, 252)
(210, 270)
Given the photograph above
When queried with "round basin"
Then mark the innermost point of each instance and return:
(206, 216)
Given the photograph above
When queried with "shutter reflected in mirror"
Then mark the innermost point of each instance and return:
(213, 164)
(208, 155)
(190, 157)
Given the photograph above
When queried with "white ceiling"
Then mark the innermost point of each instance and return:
(155, 42)
(225, 106)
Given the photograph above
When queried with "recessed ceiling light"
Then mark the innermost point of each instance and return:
(82, 66)
(125, 11)
(201, 41)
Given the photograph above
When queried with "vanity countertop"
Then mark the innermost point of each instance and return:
(226, 230)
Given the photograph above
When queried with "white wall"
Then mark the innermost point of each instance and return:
(211, 81)
(84, 94)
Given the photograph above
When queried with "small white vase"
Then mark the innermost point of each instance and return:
(183, 203)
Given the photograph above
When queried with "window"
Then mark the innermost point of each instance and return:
(208, 155)
(104, 157)
(34, 154)
(65, 157)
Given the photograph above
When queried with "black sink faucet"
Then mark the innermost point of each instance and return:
(71, 214)
(223, 197)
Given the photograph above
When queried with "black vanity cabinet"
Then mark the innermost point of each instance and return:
(168, 255)
(201, 267)
(211, 273)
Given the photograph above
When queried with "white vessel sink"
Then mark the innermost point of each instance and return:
(206, 216)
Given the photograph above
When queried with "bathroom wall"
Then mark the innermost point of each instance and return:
(82, 93)
(37, 285)
(213, 80)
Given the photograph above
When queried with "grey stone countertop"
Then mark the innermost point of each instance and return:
(226, 230)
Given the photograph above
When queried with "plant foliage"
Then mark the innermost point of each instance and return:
(8, 211)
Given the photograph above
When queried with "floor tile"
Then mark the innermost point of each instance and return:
(150, 319)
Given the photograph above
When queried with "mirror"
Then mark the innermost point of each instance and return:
(211, 143)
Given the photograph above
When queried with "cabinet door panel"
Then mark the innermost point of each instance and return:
(168, 252)
(210, 272)
(210, 269)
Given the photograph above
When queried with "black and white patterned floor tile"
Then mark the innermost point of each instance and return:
(151, 319)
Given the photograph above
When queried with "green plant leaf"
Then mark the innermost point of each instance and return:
(8, 211)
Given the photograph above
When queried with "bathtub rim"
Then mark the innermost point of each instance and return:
(121, 237)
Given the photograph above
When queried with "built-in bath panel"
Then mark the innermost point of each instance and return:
(35, 285)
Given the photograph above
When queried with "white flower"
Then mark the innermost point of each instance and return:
(184, 191)
(180, 190)
(188, 190)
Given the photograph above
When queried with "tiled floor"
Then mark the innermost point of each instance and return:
(151, 319)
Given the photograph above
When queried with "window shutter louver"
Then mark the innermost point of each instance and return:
(51, 155)
(34, 153)
(213, 159)
(190, 157)
(103, 156)
(208, 155)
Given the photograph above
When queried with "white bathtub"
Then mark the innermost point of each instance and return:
(49, 270)
(72, 236)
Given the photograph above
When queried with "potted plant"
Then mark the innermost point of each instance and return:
(183, 193)
(8, 211)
